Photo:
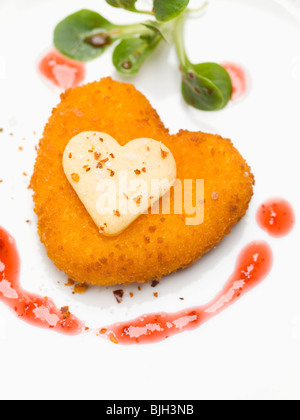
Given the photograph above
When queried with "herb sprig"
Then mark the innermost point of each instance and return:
(85, 35)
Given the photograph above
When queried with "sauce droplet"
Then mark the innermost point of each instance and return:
(62, 71)
(33, 309)
(238, 78)
(254, 264)
(276, 217)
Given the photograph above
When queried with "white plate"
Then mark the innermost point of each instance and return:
(251, 350)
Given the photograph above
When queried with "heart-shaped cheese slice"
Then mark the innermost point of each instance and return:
(117, 184)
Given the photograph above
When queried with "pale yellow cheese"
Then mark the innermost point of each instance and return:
(118, 184)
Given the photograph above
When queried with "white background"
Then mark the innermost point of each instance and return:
(251, 350)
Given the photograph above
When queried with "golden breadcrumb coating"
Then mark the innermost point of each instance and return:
(154, 245)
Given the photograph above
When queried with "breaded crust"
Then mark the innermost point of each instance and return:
(154, 245)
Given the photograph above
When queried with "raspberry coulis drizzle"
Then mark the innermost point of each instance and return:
(253, 265)
(39, 311)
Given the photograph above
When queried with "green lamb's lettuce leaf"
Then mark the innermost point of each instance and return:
(131, 53)
(166, 10)
(123, 4)
(73, 36)
(85, 35)
(206, 86)
(127, 5)
(166, 29)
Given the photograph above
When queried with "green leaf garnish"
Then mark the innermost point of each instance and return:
(127, 5)
(166, 29)
(206, 86)
(131, 53)
(84, 35)
(124, 4)
(166, 10)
